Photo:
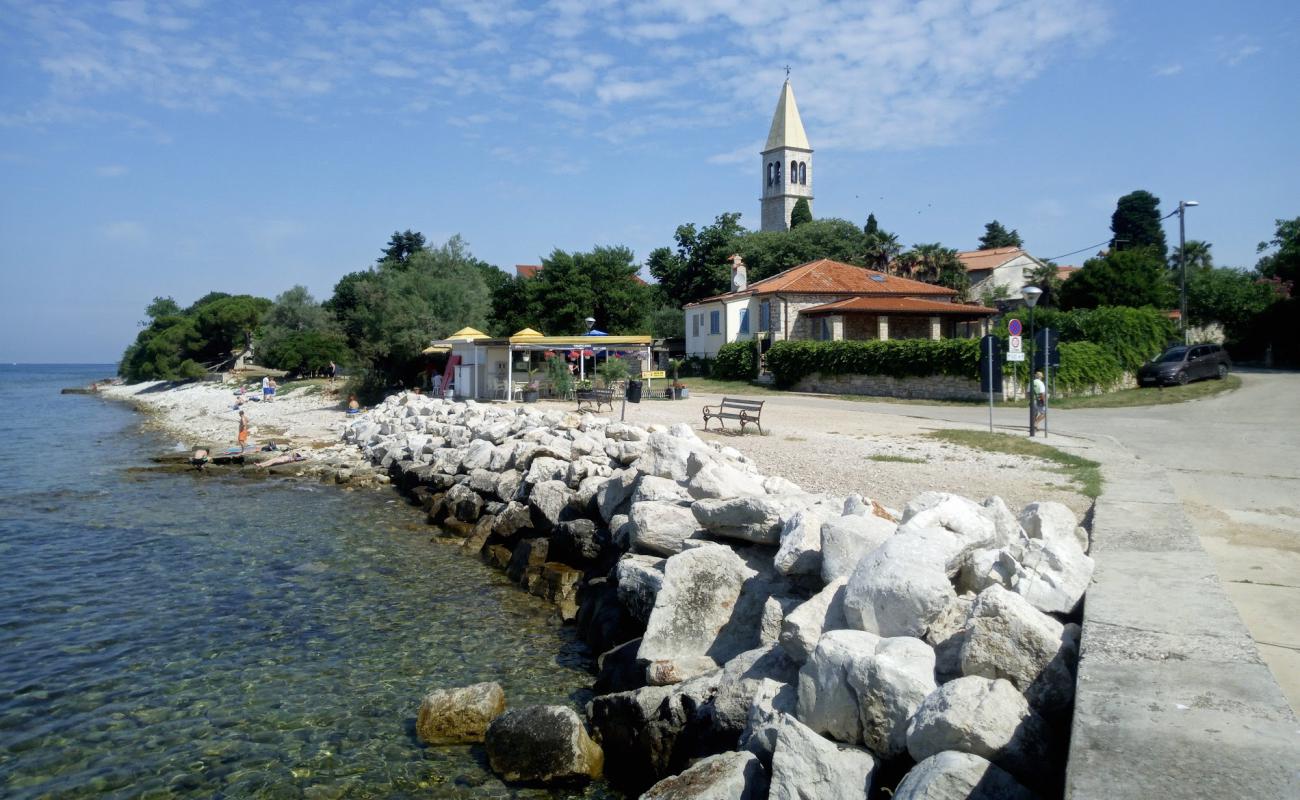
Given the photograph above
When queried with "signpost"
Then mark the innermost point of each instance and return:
(990, 368)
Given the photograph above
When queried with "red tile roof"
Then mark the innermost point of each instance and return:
(898, 305)
(1064, 273)
(834, 277)
(531, 270)
(988, 259)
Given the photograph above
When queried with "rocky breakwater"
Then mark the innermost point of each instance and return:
(756, 640)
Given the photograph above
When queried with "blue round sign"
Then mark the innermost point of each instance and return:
(1013, 327)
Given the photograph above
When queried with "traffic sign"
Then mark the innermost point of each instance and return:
(1015, 356)
(1014, 344)
(654, 374)
(1013, 327)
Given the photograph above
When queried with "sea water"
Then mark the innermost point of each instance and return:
(198, 635)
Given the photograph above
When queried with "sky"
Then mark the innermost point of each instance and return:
(176, 148)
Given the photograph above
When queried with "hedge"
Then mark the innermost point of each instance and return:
(1083, 364)
(1132, 335)
(736, 362)
(899, 358)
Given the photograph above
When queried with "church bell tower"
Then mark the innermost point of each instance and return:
(787, 164)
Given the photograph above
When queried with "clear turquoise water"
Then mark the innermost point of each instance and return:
(167, 635)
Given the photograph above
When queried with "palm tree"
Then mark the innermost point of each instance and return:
(882, 248)
(1046, 277)
(1197, 253)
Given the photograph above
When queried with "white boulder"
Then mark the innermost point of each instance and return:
(846, 540)
(891, 684)
(1006, 637)
(827, 702)
(806, 766)
(803, 627)
(902, 586)
(952, 775)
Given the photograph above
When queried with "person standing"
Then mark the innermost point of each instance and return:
(243, 429)
(437, 384)
(1038, 398)
(334, 371)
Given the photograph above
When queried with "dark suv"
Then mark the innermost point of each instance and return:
(1184, 363)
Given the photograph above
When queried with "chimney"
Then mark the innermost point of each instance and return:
(738, 277)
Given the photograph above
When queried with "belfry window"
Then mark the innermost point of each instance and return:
(777, 164)
(794, 172)
(769, 173)
(803, 173)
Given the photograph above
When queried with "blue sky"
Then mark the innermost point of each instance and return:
(174, 148)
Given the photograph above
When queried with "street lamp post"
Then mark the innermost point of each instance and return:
(1031, 295)
(1183, 205)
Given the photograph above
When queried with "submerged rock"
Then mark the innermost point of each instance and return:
(459, 716)
(546, 744)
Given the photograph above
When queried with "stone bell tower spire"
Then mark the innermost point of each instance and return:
(787, 163)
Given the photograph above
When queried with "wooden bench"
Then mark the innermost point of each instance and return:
(596, 397)
(746, 411)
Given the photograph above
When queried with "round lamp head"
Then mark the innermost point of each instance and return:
(1031, 295)
(591, 322)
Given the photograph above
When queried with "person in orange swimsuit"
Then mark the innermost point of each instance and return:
(243, 428)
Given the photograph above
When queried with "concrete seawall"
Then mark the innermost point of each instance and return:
(1173, 699)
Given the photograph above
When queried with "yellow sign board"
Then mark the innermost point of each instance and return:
(656, 374)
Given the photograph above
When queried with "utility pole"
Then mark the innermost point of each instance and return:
(1182, 264)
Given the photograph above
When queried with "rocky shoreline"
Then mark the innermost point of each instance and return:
(756, 639)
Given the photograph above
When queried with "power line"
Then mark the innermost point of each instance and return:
(1106, 241)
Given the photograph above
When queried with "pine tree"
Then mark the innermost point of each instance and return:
(872, 226)
(1136, 223)
(995, 235)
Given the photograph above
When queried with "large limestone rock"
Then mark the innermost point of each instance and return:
(1052, 522)
(726, 776)
(827, 702)
(741, 679)
(752, 519)
(900, 587)
(477, 455)
(460, 715)
(1054, 575)
(1006, 637)
(988, 718)
(550, 501)
(846, 540)
(649, 488)
(803, 627)
(801, 545)
(951, 775)
(946, 635)
(965, 518)
(542, 743)
(464, 503)
(772, 702)
(718, 480)
(546, 468)
(806, 766)
(667, 456)
(891, 684)
(639, 580)
(699, 593)
(662, 527)
(613, 495)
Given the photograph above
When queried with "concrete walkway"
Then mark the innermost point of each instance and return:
(1174, 699)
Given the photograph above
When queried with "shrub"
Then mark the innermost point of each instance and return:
(736, 361)
(899, 358)
(612, 371)
(1132, 336)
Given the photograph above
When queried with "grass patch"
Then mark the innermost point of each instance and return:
(888, 459)
(1126, 398)
(1084, 472)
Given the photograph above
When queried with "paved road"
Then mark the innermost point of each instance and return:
(1234, 462)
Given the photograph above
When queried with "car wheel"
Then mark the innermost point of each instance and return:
(1223, 371)
(1182, 378)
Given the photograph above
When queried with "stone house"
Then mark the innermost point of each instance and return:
(1001, 268)
(828, 300)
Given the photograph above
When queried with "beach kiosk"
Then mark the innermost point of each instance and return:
(488, 368)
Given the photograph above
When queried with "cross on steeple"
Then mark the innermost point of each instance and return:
(787, 72)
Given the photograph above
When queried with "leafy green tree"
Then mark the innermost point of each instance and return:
(349, 293)
(768, 252)
(560, 296)
(801, 213)
(1134, 278)
(666, 322)
(1284, 262)
(402, 245)
(990, 295)
(299, 335)
(872, 226)
(1136, 223)
(163, 351)
(1227, 296)
(397, 311)
(1198, 256)
(210, 297)
(995, 235)
(700, 266)
(228, 324)
(160, 307)
(510, 306)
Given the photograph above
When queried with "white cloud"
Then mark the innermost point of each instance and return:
(1168, 70)
(391, 69)
(1232, 50)
(111, 171)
